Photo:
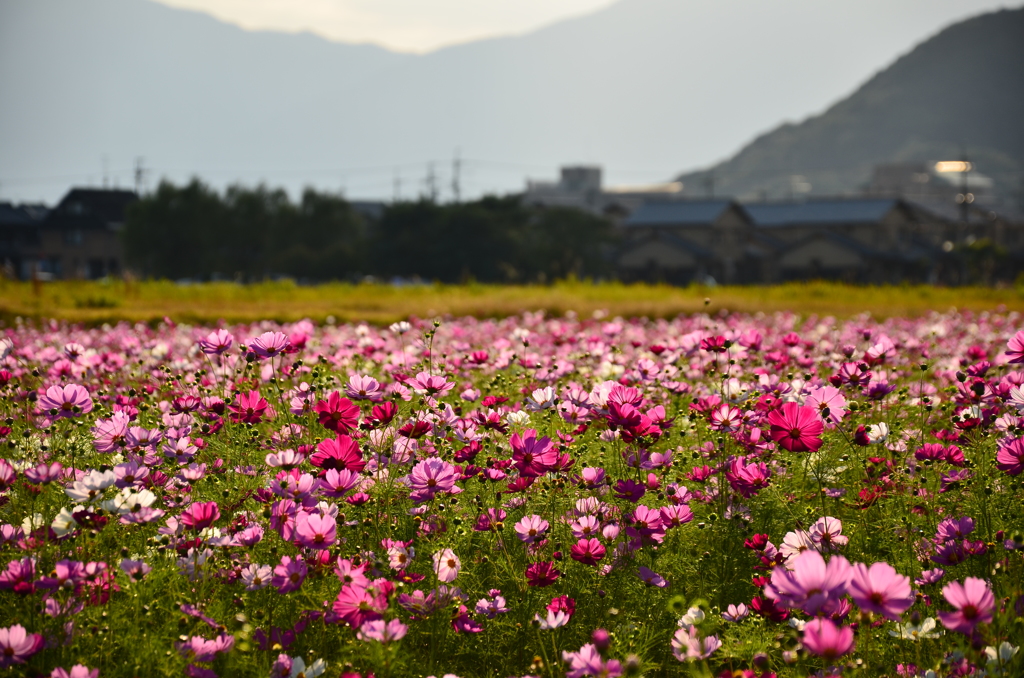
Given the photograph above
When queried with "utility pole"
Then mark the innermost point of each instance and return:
(106, 179)
(709, 184)
(140, 174)
(456, 189)
(431, 183)
(397, 187)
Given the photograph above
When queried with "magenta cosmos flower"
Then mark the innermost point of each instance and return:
(65, 401)
(812, 584)
(339, 453)
(973, 601)
(356, 605)
(796, 428)
(337, 414)
(587, 551)
(542, 574)
(200, 515)
(880, 589)
(17, 645)
(825, 639)
(530, 456)
(248, 408)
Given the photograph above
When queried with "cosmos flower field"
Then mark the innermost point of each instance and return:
(726, 495)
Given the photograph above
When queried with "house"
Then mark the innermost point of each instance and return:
(877, 240)
(81, 237)
(874, 240)
(19, 238)
(681, 241)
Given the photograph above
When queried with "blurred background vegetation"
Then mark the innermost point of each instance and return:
(245, 234)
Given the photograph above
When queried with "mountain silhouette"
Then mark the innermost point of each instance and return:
(646, 88)
(961, 91)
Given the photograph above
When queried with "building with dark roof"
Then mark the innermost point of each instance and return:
(19, 237)
(869, 240)
(81, 237)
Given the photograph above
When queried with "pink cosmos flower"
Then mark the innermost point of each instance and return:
(357, 605)
(336, 413)
(382, 631)
(446, 565)
(216, 342)
(335, 484)
(823, 638)
(796, 428)
(1016, 346)
(1010, 456)
(17, 645)
(269, 344)
(736, 613)
(829, 402)
(747, 478)
(135, 569)
(973, 601)
(589, 662)
(652, 578)
(315, 531)
(463, 623)
(827, 534)
(725, 418)
(77, 671)
(687, 645)
(812, 584)
(430, 476)
(43, 473)
(364, 388)
(532, 457)
(531, 528)
(289, 575)
(65, 401)
(434, 386)
(200, 649)
(880, 589)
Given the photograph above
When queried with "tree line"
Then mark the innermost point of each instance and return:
(247, 234)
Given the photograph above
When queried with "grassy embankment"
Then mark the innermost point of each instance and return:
(98, 302)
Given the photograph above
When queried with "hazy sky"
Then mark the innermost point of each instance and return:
(404, 25)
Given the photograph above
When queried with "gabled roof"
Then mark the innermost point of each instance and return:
(678, 212)
(93, 206)
(20, 215)
(827, 211)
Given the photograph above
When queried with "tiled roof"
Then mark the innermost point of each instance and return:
(678, 212)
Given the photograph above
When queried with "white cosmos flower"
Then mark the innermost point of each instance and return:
(908, 631)
(64, 522)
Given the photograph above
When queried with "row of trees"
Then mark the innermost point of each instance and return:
(194, 232)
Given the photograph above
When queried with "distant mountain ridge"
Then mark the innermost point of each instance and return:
(642, 87)
(962, 91)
